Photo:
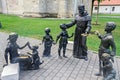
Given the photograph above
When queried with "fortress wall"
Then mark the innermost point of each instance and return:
(44, 8)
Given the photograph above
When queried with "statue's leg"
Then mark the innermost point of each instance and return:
(45, 49)
(64, 50)
(84, 48)
(110, 77)
(77, 44)
(59, 50)
(49, 50)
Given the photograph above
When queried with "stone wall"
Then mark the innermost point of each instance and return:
(14, 7)
(45, 8)
(0, 6)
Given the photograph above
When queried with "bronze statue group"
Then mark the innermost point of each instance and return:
(106, 53)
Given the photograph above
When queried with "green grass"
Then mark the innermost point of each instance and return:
(107, 14)
(34, 27)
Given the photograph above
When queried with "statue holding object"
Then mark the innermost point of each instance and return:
(83, 25)
(109, 72)
(107, 44)
(12, 51)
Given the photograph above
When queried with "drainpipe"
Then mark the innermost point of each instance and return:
(75, 7)
(7, 6)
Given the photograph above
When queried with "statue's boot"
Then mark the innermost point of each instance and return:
(64, 55)
(98, 74)
(59, 55)
(86, 58)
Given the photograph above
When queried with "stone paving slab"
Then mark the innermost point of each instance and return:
(54, 68)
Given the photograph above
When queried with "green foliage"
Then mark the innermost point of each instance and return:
(34, 27)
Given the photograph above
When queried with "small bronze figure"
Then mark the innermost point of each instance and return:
(63, 36)
(12, 49)
(83, 25)
(107, 44)
(109, 72)
(35, 57)
(48, 41)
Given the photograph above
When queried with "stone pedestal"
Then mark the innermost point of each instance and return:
(10, 72)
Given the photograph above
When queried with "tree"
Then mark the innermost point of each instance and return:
(98, 2)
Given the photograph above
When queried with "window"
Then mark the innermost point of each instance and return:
(113, 8)
(96, 8)
(106, 9)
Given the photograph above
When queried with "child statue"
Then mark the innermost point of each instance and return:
(63, 36)
(109, 72)
(47, 40)
(36, 59)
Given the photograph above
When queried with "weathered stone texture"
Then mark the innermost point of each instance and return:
(0, 6)
(44, 8)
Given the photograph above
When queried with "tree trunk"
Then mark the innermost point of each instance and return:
(97, 13)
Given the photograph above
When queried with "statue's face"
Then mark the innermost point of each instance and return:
(107, 28)
(47, 30)
(13, 37)
(110, 26)
(81, 9)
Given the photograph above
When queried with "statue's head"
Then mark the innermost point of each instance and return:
(13, 37)
(47, 30)
(110, 26)
(35, 47)
(81, 9)
(105, 56)
(62, 26)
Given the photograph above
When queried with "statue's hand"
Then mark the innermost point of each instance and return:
(29, 53)
(63, 26)
(112, 54)
(28, 43)
(40, 43)
(97, 32)
(54, 43)
(84, 34)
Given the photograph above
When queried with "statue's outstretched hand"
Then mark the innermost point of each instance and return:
(97, 32)
(54, 43)
(84, 34)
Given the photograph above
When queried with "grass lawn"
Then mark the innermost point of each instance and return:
(34, 27)
(107, 14)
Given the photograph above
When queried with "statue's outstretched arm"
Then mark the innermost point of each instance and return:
(72, 23)
(23, 46)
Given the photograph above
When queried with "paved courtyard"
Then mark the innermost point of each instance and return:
(54, 68)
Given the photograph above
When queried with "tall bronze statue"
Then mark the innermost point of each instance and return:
(48, 41)
(63, 36)
(107, 44)
(83, 25)
(12, 51)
